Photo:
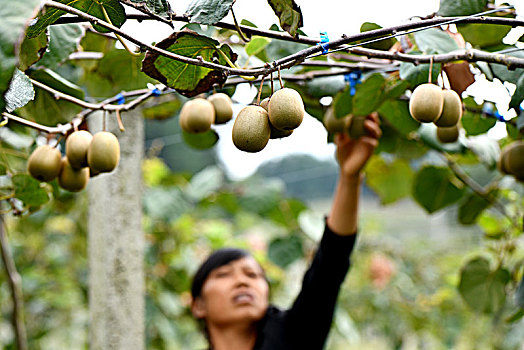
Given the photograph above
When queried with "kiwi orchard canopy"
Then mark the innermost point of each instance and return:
(73, 102)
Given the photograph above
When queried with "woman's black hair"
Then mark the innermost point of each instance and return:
(218, 258)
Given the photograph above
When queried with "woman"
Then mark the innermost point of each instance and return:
(230, 291)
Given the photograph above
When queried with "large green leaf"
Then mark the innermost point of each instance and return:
(189, 80)
(165, 203)
(114, 10)
(152, 7)
(397, 113)
(14, 16)
(162, 110)
(343, 103)
(483, 289)
(20, 91)
(390, 180)
(32, 50)
(483, 35)
(201, 141)
(471, 208)
(208, 11)
(503, 73)
(379, 45)
(418, 74)
(461, 7)
(63, 40)
(289, 14)
(45, 108)
(435, 188)
(205, 183)
(257, 45)
(435, 40)
(283, 251)
(518, 95)
(476, 123)
(369, 95)
(28, 190)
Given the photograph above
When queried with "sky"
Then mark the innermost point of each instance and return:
(335, 18)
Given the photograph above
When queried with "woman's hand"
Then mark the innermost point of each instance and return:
(352, 155)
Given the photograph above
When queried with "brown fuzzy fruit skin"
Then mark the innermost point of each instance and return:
(223, 107)
(448, 134)
(501, 163)
(333, 124)
(426, 103)
(279, 134)
(103, 153)
(356, 127)
(251, 129)
(286, 109)
(514, 159)
(44, 163)
(265, 103)
(197, 115)
(71, 179)
(76, 148)
(451, 109)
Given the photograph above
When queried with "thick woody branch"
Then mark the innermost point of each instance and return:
(15, 285)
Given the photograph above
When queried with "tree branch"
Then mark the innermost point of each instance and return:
(15, 284)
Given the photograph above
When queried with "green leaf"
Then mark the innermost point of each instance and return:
(483, 35)
(518, 95)
(20, 91)
(154, 7)
(475, 123)
(32, 50)
(390, 180)
(162, 111)
(435, 188)
(256, 45)
(481, 288)
(383, 45)
(325, 86)
(289, 14)
(450, 8)
(189, 80)
(45, 108)
(343, 103)
(284, 251)
(503, 73)
(435, 40)
(114, 10)
(165, 203)
(516, 316)
(395, 88)
(63, 40)
(16, 140)
(205, 183)
(201, 141)
(368, 95)
(208, 11)
(14, 19)
(397, 113)
(418, 74)
(471, 208)
(28, 190)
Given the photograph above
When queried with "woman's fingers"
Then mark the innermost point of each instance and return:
(372, 128)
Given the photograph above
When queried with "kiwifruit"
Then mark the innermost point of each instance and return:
(333, 124)
(286, 109)
(501, 163)
(251, 129)
(197, 115)
(71, 179)
(514, 159)
(277, 133)
(265, 103)
(451, 109)
(103, 153)
(76, 148)
(44, 163)
(426, 102)
(448, 134)
(356, 126)
(223, 107)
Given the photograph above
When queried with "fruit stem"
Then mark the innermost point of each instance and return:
(280, 78)
(119, 120)
(108, 20)
(260, 90)
(430, 78)
(242, 36)
(232, 65)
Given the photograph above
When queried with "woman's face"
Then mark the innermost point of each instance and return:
(235, 292)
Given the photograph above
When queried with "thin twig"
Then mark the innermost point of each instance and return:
(15, 284)
(260, 90)
(239, 30)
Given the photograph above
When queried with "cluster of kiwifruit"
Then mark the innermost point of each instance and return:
(353, 125)
(86, 156)
(511, 161)
(197, 115)
(276, 117)
(431, 104)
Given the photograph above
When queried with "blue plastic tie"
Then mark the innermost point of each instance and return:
(156, 92)
(324, 40)
(120, 99)
(353, 79)
(499, 117)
